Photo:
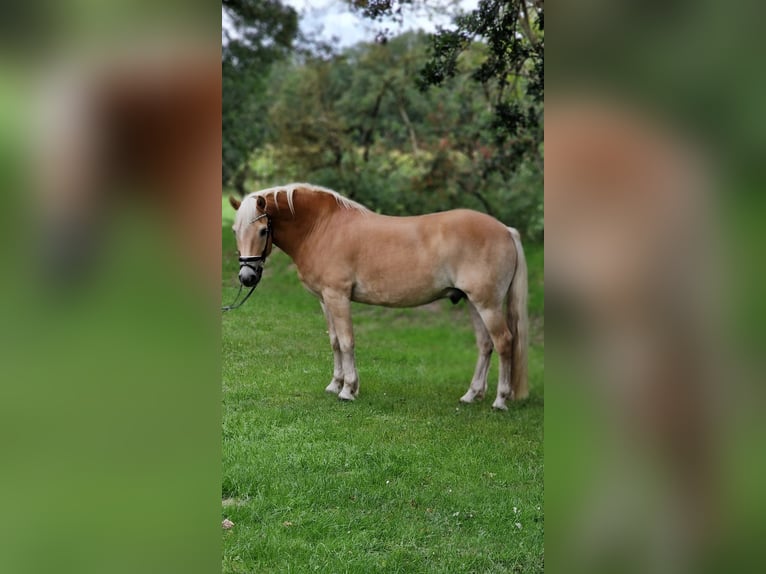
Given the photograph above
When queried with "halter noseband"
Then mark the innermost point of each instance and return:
(251, 262)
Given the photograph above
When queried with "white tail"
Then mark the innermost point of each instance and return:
(518, 321)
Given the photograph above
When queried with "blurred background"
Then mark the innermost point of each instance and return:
(109, 364)
(654, 268)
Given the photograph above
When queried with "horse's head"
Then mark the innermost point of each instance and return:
(252, 228)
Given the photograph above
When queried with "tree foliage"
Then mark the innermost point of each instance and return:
(357, 122)
(513, 31)
(256, 33)
(513, 34)
(416, 123)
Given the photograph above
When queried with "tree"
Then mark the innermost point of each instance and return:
(513, 33)
(367, 121)
(255, 34)
(337, 118)
(509, 73)
(513, 67)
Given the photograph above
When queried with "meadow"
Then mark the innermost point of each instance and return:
(405, 478)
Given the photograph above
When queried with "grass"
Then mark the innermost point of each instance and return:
(404, 479)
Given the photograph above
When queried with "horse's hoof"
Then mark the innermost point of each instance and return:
(471, 396)
(333, 388)
(499, 405)
(346, 396)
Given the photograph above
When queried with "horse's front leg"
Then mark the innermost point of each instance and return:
(338, 308)
(336, 384)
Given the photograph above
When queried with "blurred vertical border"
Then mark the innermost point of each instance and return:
(110, 334)
(655, 136)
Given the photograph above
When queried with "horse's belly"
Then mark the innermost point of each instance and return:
(397, 294)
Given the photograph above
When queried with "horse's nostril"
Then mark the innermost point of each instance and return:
(246, 277)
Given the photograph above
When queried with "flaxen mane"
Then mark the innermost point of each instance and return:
(289, 191)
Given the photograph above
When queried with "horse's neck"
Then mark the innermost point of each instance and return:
(290, 234)
(292, 230)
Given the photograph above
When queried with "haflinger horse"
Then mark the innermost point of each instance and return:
(344, 252)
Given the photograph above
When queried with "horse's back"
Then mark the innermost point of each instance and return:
(461, 223)
(466, 234)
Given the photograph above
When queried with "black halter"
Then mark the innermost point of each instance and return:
(253, 262)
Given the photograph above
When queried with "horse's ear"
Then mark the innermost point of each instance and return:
(235, 203)
(261, 203)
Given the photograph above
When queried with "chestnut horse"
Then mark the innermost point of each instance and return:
(344, 252)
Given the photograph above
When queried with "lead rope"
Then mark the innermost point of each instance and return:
(234, 304)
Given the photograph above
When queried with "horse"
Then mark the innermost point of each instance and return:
(345, 252)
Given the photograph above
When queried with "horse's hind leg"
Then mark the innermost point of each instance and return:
(484, 342)
(496, 324)
(336, 384)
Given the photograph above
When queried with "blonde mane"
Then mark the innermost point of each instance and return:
(289, 191)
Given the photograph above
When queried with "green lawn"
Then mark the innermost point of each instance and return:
(404, 479)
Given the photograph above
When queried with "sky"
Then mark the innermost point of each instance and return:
(332, 18)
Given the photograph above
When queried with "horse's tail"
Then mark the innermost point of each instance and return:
(518, 321)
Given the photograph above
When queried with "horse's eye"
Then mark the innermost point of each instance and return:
(264, 231)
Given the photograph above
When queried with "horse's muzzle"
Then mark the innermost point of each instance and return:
(250, 272)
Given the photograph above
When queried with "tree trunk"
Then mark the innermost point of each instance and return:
(367, 137)
(410, 128)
